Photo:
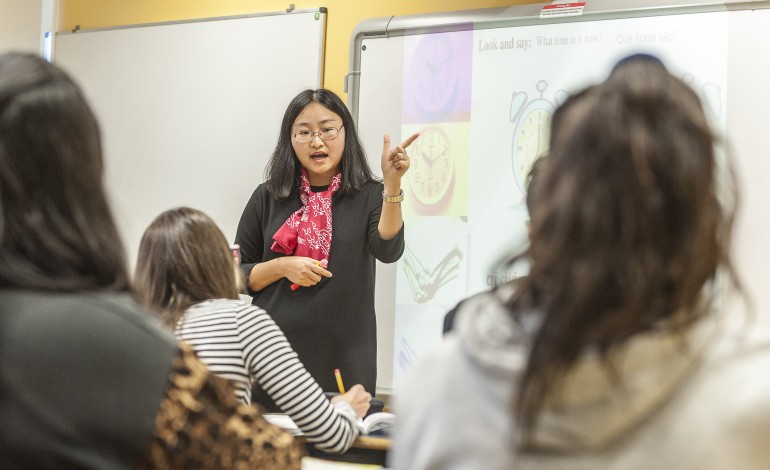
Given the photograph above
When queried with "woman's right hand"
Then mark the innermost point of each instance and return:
(357, 397)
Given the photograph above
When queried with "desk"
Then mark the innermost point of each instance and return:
(365, 449)
(371, 449)
(372, 443)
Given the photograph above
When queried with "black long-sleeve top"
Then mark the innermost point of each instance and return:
(332, 324)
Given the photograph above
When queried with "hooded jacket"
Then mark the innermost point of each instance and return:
(698, 402)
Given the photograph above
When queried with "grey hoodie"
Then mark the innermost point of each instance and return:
(703, 403)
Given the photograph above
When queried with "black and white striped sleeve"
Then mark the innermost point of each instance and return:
(275, 366)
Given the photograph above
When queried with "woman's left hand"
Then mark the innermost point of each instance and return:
(395, 161)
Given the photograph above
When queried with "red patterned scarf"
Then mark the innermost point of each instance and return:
(308, 232)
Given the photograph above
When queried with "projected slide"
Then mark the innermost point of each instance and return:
(483, 101)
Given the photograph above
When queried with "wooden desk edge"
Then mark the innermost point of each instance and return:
(373, 443)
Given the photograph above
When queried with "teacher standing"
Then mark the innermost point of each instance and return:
(310, 235)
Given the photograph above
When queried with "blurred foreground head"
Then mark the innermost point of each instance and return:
(56, 229)
(628, 230)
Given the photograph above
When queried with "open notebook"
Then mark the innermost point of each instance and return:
(381, 421)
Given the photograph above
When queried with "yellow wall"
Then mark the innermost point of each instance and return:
(342, 18)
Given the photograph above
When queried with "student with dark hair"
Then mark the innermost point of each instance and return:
(88, 379)
(321, 211)
(186, 273)
(609, 353)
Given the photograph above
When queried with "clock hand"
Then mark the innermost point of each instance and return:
(430, 66)
(442, 152)
(427, 159)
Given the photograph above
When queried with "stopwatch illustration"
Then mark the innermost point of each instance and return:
(532, 131)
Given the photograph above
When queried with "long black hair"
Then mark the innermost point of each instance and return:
(56, 228)
(282, 173)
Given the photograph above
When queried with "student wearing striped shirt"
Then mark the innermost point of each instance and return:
(185, 272)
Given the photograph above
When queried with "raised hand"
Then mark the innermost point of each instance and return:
(395, 162)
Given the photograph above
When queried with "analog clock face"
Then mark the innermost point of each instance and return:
(432, 165)
(530, 139)
(436, 81)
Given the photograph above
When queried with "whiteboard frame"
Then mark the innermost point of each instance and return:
(519, 15)
(194, 122)
(477, 19)
(321, 10)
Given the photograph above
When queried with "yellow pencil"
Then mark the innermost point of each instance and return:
(339, 381)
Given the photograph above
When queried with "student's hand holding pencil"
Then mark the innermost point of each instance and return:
(357, 396)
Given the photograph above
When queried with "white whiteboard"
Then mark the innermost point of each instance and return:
(190, 111)
(475, 75)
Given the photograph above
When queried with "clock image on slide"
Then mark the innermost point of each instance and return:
(432, 166)
(435, 77)
(531, 133)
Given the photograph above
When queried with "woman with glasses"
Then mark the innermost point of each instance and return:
(310, 235)
(186, 273)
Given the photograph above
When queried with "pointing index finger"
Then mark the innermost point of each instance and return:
(409, 140)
